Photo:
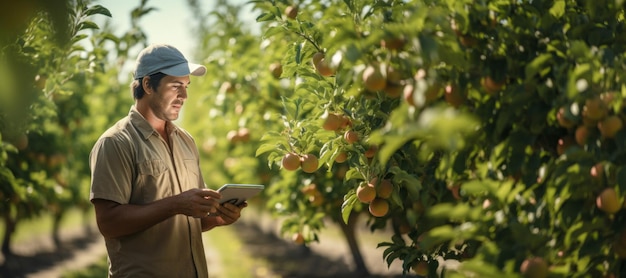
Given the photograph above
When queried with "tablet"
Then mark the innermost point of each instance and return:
(238, 193)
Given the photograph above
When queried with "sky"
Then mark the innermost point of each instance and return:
(171, 23)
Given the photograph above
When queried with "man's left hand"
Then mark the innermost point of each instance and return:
(228, 213)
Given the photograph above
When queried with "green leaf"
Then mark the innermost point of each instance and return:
(111, 37)
(392, 249)
(450, 211)
(574, 234)
(271, 31)
(577, 75)
(348, 204)
(504, 190)
(88, 25)
(436, 236)
(265, 17)
(558, 9)
(265, 148)
(98, 9)
(139, 12)
(78, 38)
(412, 184)
(537, 65)
(398, 240)
(478, 187)
(480, 268)
(392, 257)
(392, 144)
(579, 49)
(353, 173)
(290, 109)
(298, 53)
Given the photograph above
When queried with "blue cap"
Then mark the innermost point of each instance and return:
(165, 59)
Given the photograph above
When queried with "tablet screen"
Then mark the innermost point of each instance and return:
(239, 193)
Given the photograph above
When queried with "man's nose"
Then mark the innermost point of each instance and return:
(182, 93)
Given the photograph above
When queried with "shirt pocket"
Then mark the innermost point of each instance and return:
(152, 183)
(193, 172)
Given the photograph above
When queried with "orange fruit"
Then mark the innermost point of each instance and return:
(490, 85)
(407, 93)
(373, 79)
(243, 134)
(365, 192)
(597, 171)
(276, 69)
(393, 43)
(298, 238)
(534, 267)
(341, 157)
(453, 96)
(384, 189)
(563, 120)
(581, 134)
(309, 163)
(291, 12)
(321, 65)
(610, 126)
(379, 207)
(595, 108)
(371, 151)
(608, 201)
(291, 161)
(332, 122)
(351, 136)
(420, 268)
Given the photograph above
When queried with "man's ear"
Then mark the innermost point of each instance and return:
(146, 85)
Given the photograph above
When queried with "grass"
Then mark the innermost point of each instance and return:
(233, 260)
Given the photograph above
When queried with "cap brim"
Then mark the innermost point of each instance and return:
(196, 69)
(185, 69)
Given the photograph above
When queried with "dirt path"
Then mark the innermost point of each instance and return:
(330, 257)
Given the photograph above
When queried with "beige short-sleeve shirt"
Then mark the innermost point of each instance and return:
(132, 164)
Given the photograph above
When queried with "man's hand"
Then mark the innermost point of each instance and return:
(199, 202)
(226, 214)
(229, 213)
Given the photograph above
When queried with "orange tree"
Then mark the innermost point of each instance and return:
(62, 91)
(488, 135)
(240, 104)
(41, 55)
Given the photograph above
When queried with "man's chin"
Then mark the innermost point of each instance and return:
(173, 116)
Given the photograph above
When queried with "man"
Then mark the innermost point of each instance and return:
(150, 199)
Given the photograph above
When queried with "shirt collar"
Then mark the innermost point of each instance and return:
(142, 125)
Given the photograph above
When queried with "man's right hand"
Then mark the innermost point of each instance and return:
(199, 202)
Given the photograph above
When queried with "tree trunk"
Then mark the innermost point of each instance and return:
(10, 225)
(350, 234)
(56, 229)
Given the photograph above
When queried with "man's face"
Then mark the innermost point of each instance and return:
(167, 101)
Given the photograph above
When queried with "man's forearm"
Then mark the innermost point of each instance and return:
(116, 220)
